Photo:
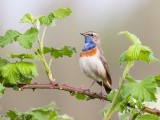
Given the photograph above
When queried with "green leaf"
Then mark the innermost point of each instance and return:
(66, 50)
(147, 55)
(129, 78)
(27, 68)
(139, 105)
(80, 96)
(48, 113)
(142, 91)
(121, 104)
(13, 114)
(2, 62)
(133, 52)
(9, 37)
(28, 18)
(147, 117)
(123, 58)
(136, 51)
(62, 13)
(11, 73)
(23, 56)
(135, 115)
(56, 53)
(2, 89)
(18, 72)
(28, 38)
(47, 50)
(23, 79)
(157, 78)
(134, 39)
(111, 95)
(47, 20)
(43, 113)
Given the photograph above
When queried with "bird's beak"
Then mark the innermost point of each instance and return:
(82, 34)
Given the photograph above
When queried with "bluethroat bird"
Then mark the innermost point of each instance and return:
(93, 63)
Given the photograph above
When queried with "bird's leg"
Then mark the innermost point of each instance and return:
(90, 86)
(101, 94)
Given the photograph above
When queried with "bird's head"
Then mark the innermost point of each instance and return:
(91, 36)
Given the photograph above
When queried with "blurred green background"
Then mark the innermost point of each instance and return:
(107, 18)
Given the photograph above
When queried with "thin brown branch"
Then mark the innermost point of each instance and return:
(64, 87)
(151, 110)
(72, 90)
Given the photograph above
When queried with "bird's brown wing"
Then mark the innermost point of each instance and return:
(107, 82)
(104, 62)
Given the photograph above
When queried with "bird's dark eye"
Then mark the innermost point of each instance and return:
(91, 34)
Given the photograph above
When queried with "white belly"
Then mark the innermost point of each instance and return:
(93, 68)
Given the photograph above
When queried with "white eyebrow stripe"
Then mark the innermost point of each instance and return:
(94, 33)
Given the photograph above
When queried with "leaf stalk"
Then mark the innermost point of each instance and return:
(43, 59)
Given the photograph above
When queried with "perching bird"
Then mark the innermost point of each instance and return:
(93, 63)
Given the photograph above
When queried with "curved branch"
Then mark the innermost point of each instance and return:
(71, 89)
(64, 87)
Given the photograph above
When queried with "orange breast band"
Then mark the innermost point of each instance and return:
(88, 53)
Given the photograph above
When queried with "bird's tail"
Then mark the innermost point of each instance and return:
(107, 89)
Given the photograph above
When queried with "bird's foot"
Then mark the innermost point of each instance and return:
(101, 96)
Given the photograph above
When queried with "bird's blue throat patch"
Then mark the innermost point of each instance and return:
(89, 44)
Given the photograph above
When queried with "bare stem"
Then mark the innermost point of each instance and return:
(43, 34)
(71, 89)
(42, 57)
(64, 87)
